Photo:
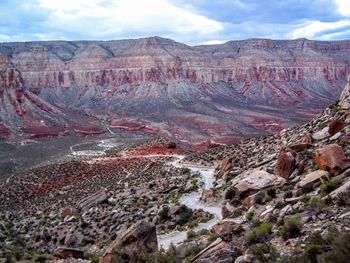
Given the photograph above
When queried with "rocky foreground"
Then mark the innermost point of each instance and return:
(284, 198)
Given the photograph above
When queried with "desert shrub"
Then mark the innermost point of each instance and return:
(288, 194)
(280, 205)
(271, 192)
(258, 234)
(343, 199)
(250, 216)
(316, 204)
(259, 198)
(191, 234)
(185, 214)
(185, 171)
(290, 228)
(330, 185)
(238, 212)
(334, 247)
(163, 213)
(191, 252)
(230, 194)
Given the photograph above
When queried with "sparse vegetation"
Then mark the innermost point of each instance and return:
(290, 228)
(258, 234)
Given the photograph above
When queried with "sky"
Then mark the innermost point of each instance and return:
(188, 21)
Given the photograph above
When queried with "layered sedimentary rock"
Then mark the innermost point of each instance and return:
(239, 88)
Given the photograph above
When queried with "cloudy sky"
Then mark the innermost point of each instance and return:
(188, 21)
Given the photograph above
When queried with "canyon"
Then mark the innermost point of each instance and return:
(209, 94)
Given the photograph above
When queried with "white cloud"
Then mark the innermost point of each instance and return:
(213, 42)
(101, 18)
(312, 29)
(343, 7)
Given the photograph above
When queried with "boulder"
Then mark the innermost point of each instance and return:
(312, 178)
(224, 166)
(227, 209)
(67, 212)
(286, 162)
(209, 196)
(322, 134)
(138, 239)
(332, 159)
(220, 251)
(93, 200)
(253, 181)
(307, 139)
(226, 230)
(336, 125)
(66, 252)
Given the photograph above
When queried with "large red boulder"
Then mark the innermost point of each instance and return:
(332, 159)
(286, 162)
(335, 126)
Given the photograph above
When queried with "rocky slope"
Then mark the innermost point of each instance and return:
(192, 93)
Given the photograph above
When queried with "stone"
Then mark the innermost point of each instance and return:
(139, 238)
(65, 252)
(322, 134)
(224, 166)
(286, 163)
(226, 230)
(307, 139)
(253, 181)
(220, 251)
(336, 125)
(209, 196)
(335, 136)
(312, 178)
(331, 158)
(227, 210)
(67, 212)
(240, 259)
(299, 147)
(92, 200)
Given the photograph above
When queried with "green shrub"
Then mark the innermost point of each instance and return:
(331, 185)
(259, 198)
(334, 247)
(259, 234)
(290, 228)
(185, 214)
(288, 194)
(250, 215)
(343, 199)
(230, 194)
(163, 213)
(271, 192)
(316, 204)
(191, 234)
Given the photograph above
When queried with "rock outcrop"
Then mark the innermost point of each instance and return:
(140, 239)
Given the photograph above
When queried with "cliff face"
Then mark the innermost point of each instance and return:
(254, 85)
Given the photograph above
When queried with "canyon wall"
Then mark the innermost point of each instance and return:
(250, 81)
